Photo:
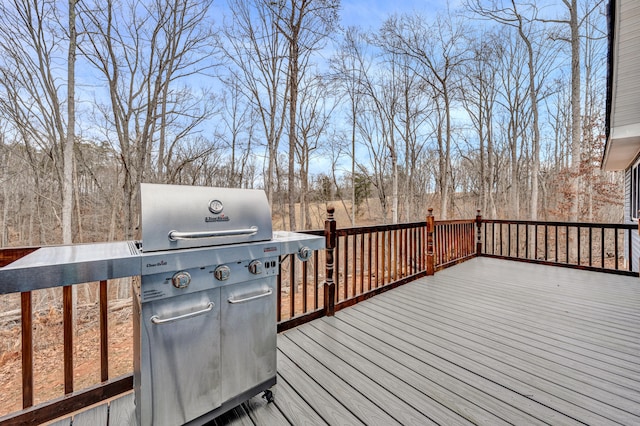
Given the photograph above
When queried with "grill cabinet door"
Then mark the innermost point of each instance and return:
(180, 377)
(248, 335)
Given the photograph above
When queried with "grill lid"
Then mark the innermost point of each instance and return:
(180, 216)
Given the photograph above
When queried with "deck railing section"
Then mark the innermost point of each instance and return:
(454, 242)
(358, 263)
(361, 262)
(73, 398)
(364, 260)
(592, 246)
(299, 286)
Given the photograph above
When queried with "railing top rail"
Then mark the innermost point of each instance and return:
(570, 224)
(455, 222)
(378, 228)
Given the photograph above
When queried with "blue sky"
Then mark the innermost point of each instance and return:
(369, 14)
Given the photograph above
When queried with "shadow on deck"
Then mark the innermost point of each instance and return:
(485, 342)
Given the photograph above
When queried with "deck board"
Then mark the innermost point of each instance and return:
(96, 416)
(616, 379)
(122, 411)
(485, 342)
(411, 372)
(493, 365)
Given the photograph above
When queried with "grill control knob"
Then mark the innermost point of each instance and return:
(181, 279)
(304, 253)
(255, 267)
(222, 273)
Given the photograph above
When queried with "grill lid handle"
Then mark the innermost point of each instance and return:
(177, 235)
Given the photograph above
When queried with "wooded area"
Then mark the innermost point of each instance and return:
(498, 106)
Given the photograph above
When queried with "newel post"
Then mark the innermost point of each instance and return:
(329, 286)
(430, 231)
(478, 233)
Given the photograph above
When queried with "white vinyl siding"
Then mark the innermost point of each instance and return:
(629, 199)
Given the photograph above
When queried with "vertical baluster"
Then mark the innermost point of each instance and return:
(590, 246)
(615, 240)
(362, 254)
(370, 263)
(629, 260)
(394, 256)
(104, 334)
(315, 279)
(405, 255)
(345, 255)
(546, 242)
(579, 234)
(27, 348)
(293, 287)
(555, 253)
(415, 250)
(354, 268)
(479, 233)
(535, 242)
(67, 321)
(305, 276)
(279, 291)
(566, 238)
(493, 238)
(377, 258)
(337, 267)
(387, 258)
(602, 248)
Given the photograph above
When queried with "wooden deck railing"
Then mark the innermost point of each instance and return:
(365, 261)
(358, 263)
(592, 246)
(73, 399)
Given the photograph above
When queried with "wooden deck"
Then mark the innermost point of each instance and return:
(485, 342)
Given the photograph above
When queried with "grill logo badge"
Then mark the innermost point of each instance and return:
(221, 218)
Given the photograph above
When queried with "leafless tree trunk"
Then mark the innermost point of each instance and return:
(67, 187)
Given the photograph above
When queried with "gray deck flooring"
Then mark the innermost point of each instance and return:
(485, 342)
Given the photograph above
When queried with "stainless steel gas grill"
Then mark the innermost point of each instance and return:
(205, 303)
(205, 327)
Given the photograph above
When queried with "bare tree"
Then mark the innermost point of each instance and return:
(479, 94)
(255, 53)
(305, 24)
(33, 98)
(143, 58)
(540, 57)
(239, 123)
(574, 23)
(315, 109)
(437, 53)
(348, 73)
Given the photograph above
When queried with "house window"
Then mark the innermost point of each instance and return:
(634, 205)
